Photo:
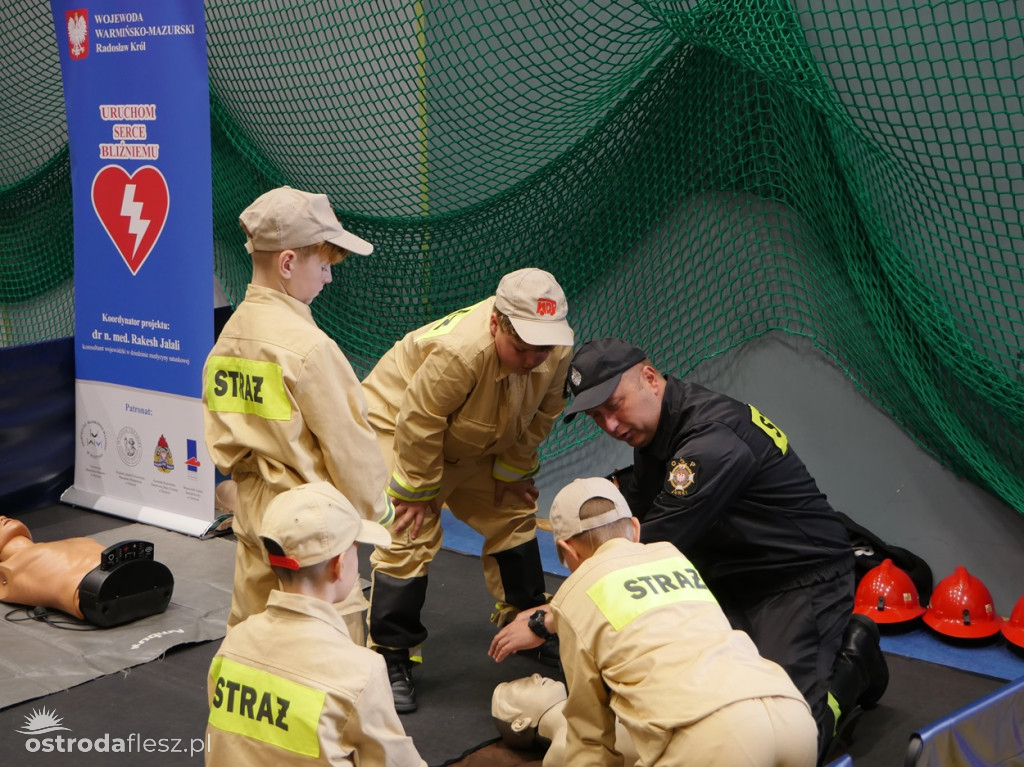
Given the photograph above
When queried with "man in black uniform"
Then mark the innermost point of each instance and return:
(719, 480)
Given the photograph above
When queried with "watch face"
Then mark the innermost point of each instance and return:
(536, 624)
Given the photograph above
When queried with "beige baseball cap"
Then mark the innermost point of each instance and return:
(286, 218)
(535, 304)
(312, 523)
(565, 508)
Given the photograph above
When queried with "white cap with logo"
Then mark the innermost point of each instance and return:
(534, 303)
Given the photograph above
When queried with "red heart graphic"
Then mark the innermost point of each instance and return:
(133, 209)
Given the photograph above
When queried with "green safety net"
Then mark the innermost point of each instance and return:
(696, 174)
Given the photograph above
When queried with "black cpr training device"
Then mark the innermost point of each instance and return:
(128, 584)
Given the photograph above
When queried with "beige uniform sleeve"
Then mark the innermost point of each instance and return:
(590, 721)
(521, 460)
(333, 406)
(437, 389)
(374, 732)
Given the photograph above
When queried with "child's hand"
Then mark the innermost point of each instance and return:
(524, 489)
(515, 636)
(411, 514)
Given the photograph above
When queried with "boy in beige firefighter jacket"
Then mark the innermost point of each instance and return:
(288, 685)
(643, 639)
(282, 405)
(460, 407)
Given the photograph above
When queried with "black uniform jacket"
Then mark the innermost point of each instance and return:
(721, 482)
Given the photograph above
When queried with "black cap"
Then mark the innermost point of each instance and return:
(596, 370)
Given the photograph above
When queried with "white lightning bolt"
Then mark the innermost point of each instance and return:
(137, 225)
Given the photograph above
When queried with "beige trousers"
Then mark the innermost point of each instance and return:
(760, 732)
(467, 488)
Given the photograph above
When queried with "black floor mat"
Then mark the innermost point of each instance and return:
(159, 709)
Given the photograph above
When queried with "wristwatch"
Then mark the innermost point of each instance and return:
(536, 624)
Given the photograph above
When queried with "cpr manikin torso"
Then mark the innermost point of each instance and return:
(43, 574)
(105, 586)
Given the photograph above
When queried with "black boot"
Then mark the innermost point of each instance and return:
(859, 677)
(522, 575)
(861, 645)
(400, 676)
(844, 689)
(395, 606)
(843, 736)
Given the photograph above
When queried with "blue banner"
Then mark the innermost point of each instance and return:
(138, 111)
(136, 94)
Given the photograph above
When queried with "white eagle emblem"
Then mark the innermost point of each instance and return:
(78, 32)
(575, 377)
(682, 476)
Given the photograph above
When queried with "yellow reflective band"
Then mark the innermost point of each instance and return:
(834, 705)
(627, 594)
(447, 324)
(398, 489)
(781, 440)
(265, 707)
(416, 654)
(506, 473)
(389, 512)
(236, 385)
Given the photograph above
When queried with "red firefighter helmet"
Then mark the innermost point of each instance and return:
(886, 594)
(1013, 629)
(961, 606)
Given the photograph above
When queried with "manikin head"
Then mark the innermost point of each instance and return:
(518, 706)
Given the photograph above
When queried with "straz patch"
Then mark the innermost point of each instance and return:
(682, 476)
(236, 385)
(625, 595)
(265, 707)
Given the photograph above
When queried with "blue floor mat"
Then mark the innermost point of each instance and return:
(992, 657)
(460, 537)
